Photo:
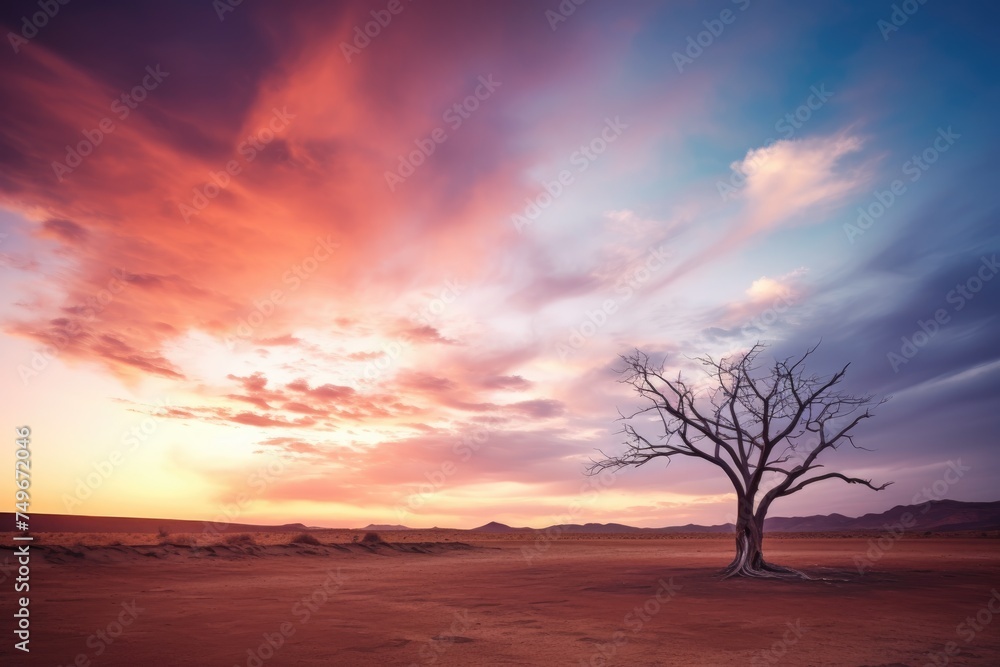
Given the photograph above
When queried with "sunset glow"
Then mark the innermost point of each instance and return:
(261, 268)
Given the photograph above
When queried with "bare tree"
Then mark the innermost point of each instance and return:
(752, 425)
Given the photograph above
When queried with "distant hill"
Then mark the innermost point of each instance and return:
(695, 528)
(68, 523)
(937, 516)
(940, 516)
(494, 527)
(598, 528)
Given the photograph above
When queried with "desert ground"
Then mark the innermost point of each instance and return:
(461, 598)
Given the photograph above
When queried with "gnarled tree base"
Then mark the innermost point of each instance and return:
(762, 570)
(749, 562)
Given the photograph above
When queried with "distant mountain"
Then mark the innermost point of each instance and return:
(818, 522)
(602, 528)
(68, 523)
(694, 528)
(494, 527)
(936, 516)
(597, 528)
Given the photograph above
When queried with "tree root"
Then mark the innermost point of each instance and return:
(750, 563)
(763, 571)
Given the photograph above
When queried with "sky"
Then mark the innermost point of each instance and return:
(351, 263)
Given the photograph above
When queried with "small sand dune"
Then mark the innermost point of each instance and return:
(59, 554)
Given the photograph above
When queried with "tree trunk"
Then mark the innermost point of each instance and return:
(749, 560)
(749, 544)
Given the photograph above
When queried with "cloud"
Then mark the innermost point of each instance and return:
(121, 206)
(508, 382)
(65, 230)
(365, 356)
(271, 305)
(425, 383)
(541, 408)
(792, 182)
(254, 382)
(797, 181)
(291, 446)
(284, 339)
(767, 289)
(424, 334)
(255, 419)
(769, 301)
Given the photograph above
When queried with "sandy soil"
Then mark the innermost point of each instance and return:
(582, 601)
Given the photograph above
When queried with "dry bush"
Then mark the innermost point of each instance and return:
(162, 533)
(306, 538)
(242, 539)
(372, 538)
